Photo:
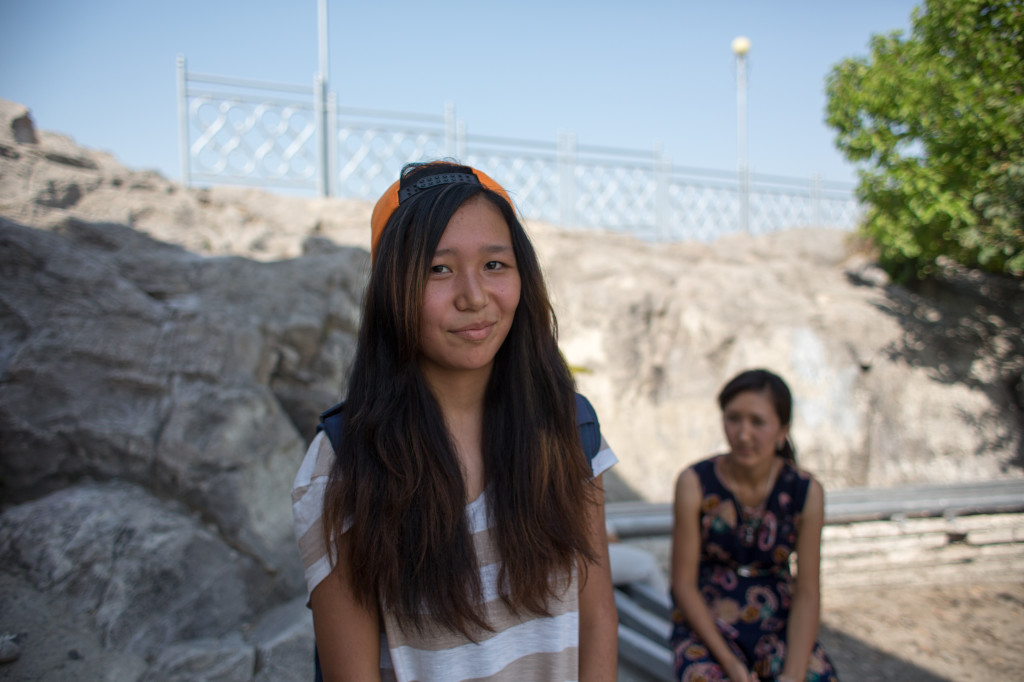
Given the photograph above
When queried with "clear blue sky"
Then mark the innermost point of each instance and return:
(624, 74)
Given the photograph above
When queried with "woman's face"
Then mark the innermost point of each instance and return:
(752, 427)
(471, 293)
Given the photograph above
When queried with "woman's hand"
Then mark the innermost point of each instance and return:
(737, 672)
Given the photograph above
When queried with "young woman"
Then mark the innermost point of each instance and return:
(465, 520)
(740, 615)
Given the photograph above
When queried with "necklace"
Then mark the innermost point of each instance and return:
(749, 522)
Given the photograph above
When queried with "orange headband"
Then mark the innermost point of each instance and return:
(395, 194)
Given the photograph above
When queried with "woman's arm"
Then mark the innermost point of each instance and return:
(347, 633)
(804, 615)
(685, 567)
(599, 620)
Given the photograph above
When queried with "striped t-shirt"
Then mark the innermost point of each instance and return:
(520, 647)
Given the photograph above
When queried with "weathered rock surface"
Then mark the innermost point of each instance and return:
(126, 358)
(164, 353)
(129, 359)
(891, 386)
(204, 660)
(146, 571)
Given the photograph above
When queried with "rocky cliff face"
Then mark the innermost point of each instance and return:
(891, 386)
(164, 353)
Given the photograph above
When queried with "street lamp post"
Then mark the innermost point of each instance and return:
(740, 47)
(322, 108)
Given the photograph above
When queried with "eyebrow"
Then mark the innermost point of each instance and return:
(489, 249)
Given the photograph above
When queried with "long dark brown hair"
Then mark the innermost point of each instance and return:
(397, 479)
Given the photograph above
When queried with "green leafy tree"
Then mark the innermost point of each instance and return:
(936, 123)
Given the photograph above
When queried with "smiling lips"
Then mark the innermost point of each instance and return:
(478, 331)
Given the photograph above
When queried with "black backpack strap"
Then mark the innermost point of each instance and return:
(332, 422)
(589, 427)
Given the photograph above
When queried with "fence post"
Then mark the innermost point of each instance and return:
(320, 114)
(660, 193)
(743, 190)
(184, 153)
(449, 131)
(562, 179)
(567, 178)
(460, 141)
(320, 95)
(331, 147)
(816, 199)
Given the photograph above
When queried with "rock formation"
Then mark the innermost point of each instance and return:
(164, 352)
(891, 386)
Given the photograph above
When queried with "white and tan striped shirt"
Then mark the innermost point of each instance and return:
(521, 646)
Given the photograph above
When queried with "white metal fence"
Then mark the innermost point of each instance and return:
(234, 131)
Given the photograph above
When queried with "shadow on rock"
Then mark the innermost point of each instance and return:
(964, 327)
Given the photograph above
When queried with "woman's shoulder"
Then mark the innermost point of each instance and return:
(700, 474)
(316, 465)
(704, 468)
(797, 482)
(798, 474)
(307, 509)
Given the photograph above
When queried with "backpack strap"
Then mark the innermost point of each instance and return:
(589, 427)
(332, 422)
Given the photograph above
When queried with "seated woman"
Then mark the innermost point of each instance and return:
(740, 614)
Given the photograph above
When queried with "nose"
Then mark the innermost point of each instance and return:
(472, 291)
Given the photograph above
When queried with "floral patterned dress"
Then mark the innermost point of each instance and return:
(745, 579)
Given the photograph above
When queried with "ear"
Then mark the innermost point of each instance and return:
(783, 435)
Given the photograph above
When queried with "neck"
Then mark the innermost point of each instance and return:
(749, 485)
(459, 394)
(747, 475)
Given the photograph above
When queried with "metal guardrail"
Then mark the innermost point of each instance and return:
(234, 131)
(642, 519)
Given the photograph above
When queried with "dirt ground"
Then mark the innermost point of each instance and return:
(927, 634)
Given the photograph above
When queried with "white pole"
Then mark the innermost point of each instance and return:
(322, 37)
(325, 137)
(741, 46)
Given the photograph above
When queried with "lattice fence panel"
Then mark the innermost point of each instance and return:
(252, 140)
(532, 181)
(701, 213)
(615, 197)
(258, 134)
(371, 158)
